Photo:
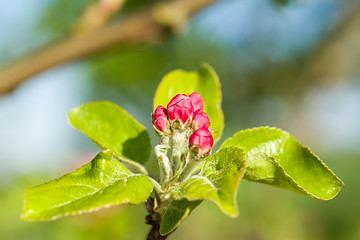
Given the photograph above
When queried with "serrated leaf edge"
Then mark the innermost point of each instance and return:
(278, 164)
(73, 213)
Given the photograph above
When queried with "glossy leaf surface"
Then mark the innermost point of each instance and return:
(178, 211)
(111, 127)
(205, 81)
(218, 180)
(274, 157)
(103, 182)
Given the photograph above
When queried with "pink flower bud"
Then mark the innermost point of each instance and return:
(160, 121)
(197, 102)
(181, 108)
(200, 120)
(160, 111)
(201, 141)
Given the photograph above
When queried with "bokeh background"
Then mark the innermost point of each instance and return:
(291, 64)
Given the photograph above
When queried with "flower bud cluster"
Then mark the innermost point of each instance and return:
(186, 113)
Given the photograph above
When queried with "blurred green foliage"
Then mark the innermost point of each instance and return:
(281, 2)
(136, 4)
(61, 15)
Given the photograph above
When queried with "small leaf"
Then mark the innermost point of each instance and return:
(103, 182)
(111, 127)
(218, 180)
(178, 211)
(274, 157)
(205, 81)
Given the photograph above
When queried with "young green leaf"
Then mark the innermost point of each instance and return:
(111, 127)
(103, 182)
(218, 180)
(205, 81)
(274, 157)
(178, 211)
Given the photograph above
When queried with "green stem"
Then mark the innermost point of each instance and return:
(193, 164)
(157, 187)
(136, 165)
(180, 148)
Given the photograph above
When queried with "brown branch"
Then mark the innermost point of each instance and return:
(334, 60)
(154, 219)
(96, 15)
(336, 57)
(146, 26)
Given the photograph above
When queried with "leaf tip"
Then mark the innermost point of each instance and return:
(232, 212)
(26, 216)
(106, 154)
(336, 190)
